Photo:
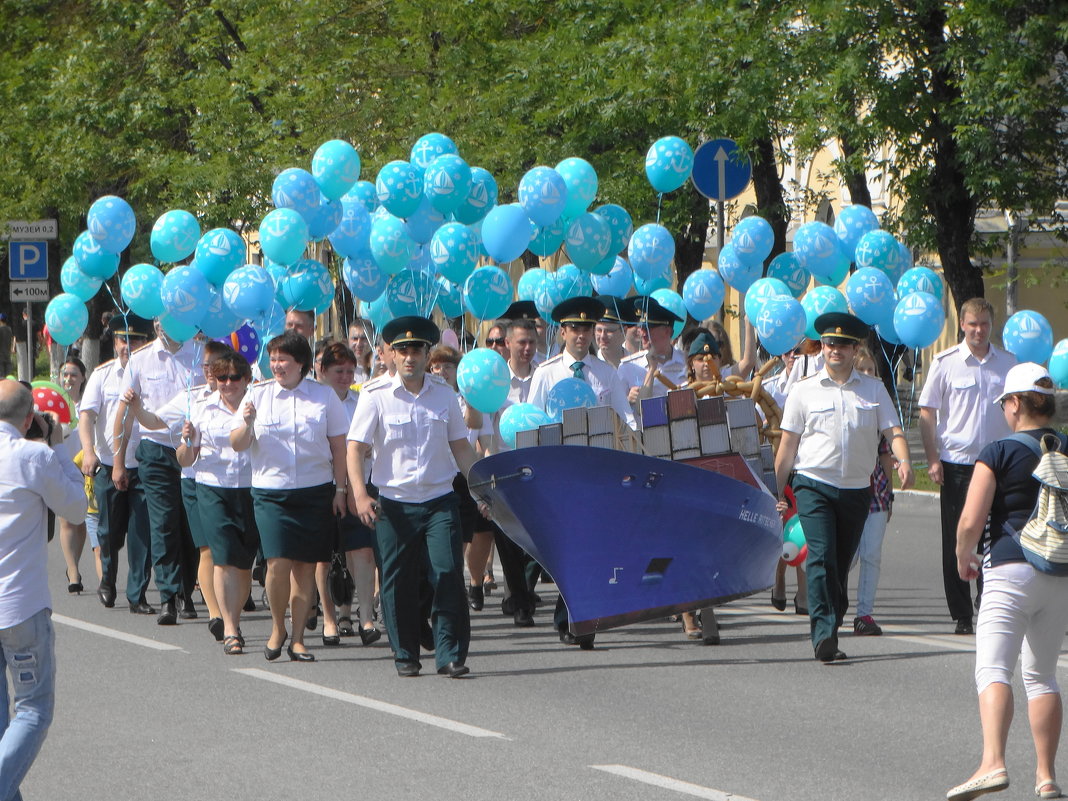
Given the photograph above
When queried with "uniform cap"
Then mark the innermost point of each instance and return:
(703, 345)
(648, 311)
(130, 325)
(839, 327)
(578, 310)
(409, 330)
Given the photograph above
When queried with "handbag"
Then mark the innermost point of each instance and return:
(340, 581)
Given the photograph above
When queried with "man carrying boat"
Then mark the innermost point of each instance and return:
(658, 355)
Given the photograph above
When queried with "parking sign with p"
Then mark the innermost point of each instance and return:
(28, 260)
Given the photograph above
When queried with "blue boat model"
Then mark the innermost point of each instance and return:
(629, 537)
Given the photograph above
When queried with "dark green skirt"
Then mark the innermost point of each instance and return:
(192, 513)
(296, 524)
(229, 524)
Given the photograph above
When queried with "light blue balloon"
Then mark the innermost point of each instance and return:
(574, 281)
(219, 252)
(521, 417)
(174, 236)
(851, 224)
(780, 324)
(619, 223)
(278, 275)
(377, 311)
(506, 232)
(1058, 364)
(549, 294)
(870, 294)
(530, 283)
(353, 233)
(324, 219)
(787, 268)
(450, 298)
(185, 294)
(283, 236)
(617, 282)
(272, 324)
(249, 291)
(581, 181)
(588, 241)
(484, 379)
(488, 292)
(753, 240)
(836, 277)
(907, 262)
(363, 276)
(140, 288)
(921, 279)
(295, 189)
(77, 283)
(454, 251)
(399, 188)
(761, 290)
(176, 329)
(66, 317)
(424, 221)
(672, 301)
(219, 320)
(392, 245)
(92, 259)
(818, 250)
(650, 251)
(668, 163)
(363, 192)
(918, 319)
(734, 271)
(411, 293)
(543, 195)
(647, 286)
(603, 267)
(880, 250)
(336, 167)
(703, 293)
(306, 285)
(481, 198)
(568, 393)
(886, 331)
(547, 240)
(428, 147)
(446, 182)
(1028, 336)
(821, 300)
(112, 223)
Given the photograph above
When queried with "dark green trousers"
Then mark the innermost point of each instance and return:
(162, 479)
(833, 520)
(123, 522)
(412, 539)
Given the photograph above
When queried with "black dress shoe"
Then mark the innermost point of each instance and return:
(300, 656)
(964, 626)
(187, 611)
(827, 649)
(523, 618)
(106, 595)
(368, 636)
(476, 598)
(273, 653)
(454, 670)
(332, 641)
(567, 638)
(426, 637)
(408, 670)
(215, 626)
(508, 606)
(585, 642)
(839, 656)
(141, 608)
(168, 614)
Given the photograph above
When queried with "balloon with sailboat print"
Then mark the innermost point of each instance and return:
(185, 294)
(391, 243)
(672, 301)
(272, 323)
(112, 223)
(454, 251)
(1058, 364)
(588, 240)
(668, 163)
(424, 221)
(818, 250)
(283, 236)
(428, 147)
(921, 279)
(581, 181)
(870, 294)
(488, 292)
(530, 283)
(880, 250)
(76, 282)
(575, 282)
(851, 224)
(306, 285)
(760, 291)
(1028, 336)
(335, 167)
(780, 323)
(353, 234)
(548, 239)
(736, 272)
(650, 250)
(620, 224)
(218, 320)
(821, 300)
(617, 281)
(450, 298)
(520, 417)
(702, 293)
(140, 288)
(363, 277)
(446, 182)
(399, 188)
(787, 268)
(295, 189)
(918, 319)
(484, 379)
(92, 259)
(218, 253)
(249, 291)
(66, 317)
(363, 192)
(278, 274)
(753, 239)
(543, 194)
(506, 232)
(569, 393)
(411, 292)
(480, 199)
(660, 280)
(550, 293)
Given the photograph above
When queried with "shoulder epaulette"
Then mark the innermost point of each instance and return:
(375, 383)
(106, 364)
(261, 382)
(146, 345)
(946, 352)
(632, 357)
(553, 360)
(437, 379)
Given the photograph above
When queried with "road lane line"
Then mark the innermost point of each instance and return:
(115, 634)
(666, 782)
(371, 703)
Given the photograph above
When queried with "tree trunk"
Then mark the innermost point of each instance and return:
(771, 203)
(690, 241)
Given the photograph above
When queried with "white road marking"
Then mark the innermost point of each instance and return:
(371, 703)
(133, 639)
(666, 782)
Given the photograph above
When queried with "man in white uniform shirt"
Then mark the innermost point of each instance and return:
(658, 354)
(412, 421)
(958, 417)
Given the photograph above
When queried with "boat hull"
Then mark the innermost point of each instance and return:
(628, 537)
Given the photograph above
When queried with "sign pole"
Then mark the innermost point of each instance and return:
(29, 341)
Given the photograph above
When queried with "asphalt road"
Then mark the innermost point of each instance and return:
(145, 711)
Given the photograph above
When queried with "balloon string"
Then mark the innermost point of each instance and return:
(659, 205)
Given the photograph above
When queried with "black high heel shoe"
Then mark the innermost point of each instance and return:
(299, 656)
(798, 609)
(273, 653)
(779, 603)
(73, 587)
(368, 636)
(334, 640)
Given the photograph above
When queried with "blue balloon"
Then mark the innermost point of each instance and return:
(218, 320)
(176, 329)
(520, 417)
(112, 223)
(506, 232)
(530, 283)
(836, 277)
(921, 279)
(907, 262)
(324, 219)
(377, 311)
(249, 291)
(619, 223)
(1058, 364)
(283, 236)
(306, 285)
(588, 241)
(574, 281)
(918, 319)
(411, 293)
(185, 294)
(568, 393)
(272, 323)
(454, 251)
(548, 294)
(871, 295)
(295, 189)
(650, 251)
(446, 182)
(140, 288)
(66, 317)
(424, 221)
(1029, 337)
(399, 188)
(92, 259)
(668, 163)
(77, 283)
(353, 233)
(363, 276)
(787, 268)
(647, 286)
(174, 236)
(581, 181)
(821, 300)
(278, 275)
(488, 292)
(363, 192)
(484, 379)
(428, 147)
(219, 252)
(336, 167)
(851, 224)
(617, 281)
(481, 198)
(450, 298)
(392, 245)
(880, 250)
(548, 239)
(734, 271)
(672, 301)
(818, 250)
(761, 290)
(753, 240)
(780, 324)
(543, 194)
(703, 293)
(886, 331)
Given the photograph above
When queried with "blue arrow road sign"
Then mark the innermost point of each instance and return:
(721, 170)
(28, 260)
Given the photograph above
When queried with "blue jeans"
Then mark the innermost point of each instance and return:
(28, 652)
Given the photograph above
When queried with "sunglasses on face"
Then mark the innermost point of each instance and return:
(222, 379)
(494, 342)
